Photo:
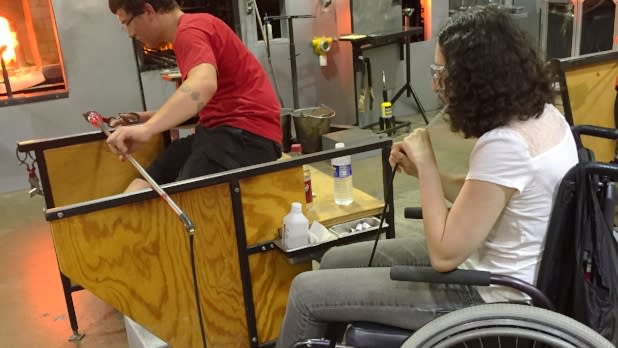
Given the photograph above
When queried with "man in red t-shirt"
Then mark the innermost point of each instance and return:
(222, 82)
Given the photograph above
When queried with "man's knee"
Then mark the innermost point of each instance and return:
(137, 184)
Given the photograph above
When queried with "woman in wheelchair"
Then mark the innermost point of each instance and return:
(496, 90)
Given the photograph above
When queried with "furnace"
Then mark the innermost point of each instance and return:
(32, 68)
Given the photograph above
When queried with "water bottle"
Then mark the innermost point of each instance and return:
(342, 173)
(295, 228)
(296, 151)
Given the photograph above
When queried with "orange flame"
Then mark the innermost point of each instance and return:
(8, 38)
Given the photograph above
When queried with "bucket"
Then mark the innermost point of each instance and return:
(310, 124)
(286, 129)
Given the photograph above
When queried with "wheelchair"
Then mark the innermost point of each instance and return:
(500, 324)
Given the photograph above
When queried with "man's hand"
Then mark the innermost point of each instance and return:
(126, 140)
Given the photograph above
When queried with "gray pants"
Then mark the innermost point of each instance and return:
(345, 290)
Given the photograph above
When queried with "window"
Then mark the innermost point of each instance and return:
(269, 8)
(32, 68)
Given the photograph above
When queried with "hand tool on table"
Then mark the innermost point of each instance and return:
(361, 96)
(98, 120)
(369, 83)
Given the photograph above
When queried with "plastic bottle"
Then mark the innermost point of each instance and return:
(295, 228)
(296, 151)
(342, 174)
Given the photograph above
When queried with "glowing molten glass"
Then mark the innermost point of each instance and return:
(8, 38)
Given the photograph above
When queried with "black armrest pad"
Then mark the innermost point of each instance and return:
(429, 275)
(413, 213)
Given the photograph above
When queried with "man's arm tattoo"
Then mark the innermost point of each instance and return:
(195, 95)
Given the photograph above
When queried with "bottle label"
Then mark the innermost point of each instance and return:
(343, 171)
(387, 110)
(308, 191)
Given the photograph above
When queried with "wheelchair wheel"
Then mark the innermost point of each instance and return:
(505, 325)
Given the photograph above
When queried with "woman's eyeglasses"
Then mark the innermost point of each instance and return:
(436, 71)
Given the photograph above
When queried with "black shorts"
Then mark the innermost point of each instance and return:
(211, 150)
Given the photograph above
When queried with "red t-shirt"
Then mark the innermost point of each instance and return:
(245, 98)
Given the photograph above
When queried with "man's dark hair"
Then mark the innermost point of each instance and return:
(493, 73)
(136, 7)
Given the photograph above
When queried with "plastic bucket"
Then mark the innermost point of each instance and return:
(286, 129)
(310, 124)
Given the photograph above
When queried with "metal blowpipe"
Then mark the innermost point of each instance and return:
(96, 119)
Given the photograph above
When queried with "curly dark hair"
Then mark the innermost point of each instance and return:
(493, 74)
(136, 7)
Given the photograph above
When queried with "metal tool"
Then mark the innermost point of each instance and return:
(128, 117)
(407, 13)
(369, 83)
(5, 73)
(387, 122)
(33, 179)
(97, 120)
(363, 91)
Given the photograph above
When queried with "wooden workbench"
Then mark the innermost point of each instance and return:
(131, 250)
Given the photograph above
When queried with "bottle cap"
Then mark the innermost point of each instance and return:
(296, 148)
(339, 145)
(297, 207)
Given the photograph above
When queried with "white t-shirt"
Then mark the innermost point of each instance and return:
(532, 157)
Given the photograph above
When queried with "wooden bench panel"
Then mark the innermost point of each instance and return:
(87, 171)
(591, 94)
(136, 258)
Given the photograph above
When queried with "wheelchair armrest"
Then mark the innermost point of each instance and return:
(413, 213)
(469, 277)
(596, 131)
(429, 275)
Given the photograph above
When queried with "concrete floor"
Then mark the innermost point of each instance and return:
(33, 308)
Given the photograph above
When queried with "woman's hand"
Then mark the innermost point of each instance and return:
(399, 157)
(415, 151)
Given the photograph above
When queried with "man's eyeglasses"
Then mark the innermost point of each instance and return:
(436, 71)
(125, 25)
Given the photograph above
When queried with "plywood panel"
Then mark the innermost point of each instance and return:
(87, 171)
(136, 258)
(592, 96)
(267, 199)
(271, 277)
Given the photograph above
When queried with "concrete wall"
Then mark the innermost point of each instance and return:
(101, 74)
(334, 85)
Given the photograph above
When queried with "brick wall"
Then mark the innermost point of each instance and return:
(37, 43)
(45, 31)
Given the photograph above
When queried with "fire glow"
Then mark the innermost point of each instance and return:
(8, 38)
